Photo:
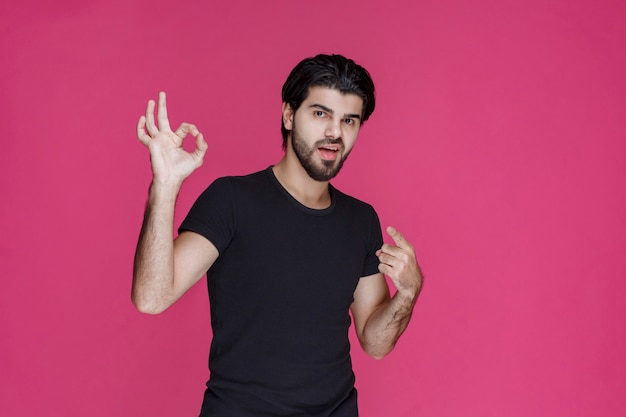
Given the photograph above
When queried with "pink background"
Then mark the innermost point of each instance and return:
(498, 147)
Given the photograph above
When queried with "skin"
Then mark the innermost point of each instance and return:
(165, 269)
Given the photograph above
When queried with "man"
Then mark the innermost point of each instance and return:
(287, 254)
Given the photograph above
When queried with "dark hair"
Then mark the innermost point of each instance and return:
(332, 71)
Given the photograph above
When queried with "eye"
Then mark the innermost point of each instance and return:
(349, 122)
(319, 113)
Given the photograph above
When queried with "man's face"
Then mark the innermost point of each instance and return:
(324, 130)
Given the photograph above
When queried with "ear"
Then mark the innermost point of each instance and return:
(288, 114)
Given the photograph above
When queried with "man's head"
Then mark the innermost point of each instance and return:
(331, 71)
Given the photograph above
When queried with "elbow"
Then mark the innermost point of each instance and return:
(374, 345)
(146, 306)
(149, 300)
(378, 355)
(378, 352)
(149, 309)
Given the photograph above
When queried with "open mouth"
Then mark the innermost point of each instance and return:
(329, 151)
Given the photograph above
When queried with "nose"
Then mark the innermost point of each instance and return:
(333, 130)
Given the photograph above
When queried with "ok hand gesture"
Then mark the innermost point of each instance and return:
(170, 162)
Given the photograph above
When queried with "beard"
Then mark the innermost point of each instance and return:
(323, 170)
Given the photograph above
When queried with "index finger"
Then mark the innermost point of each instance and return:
(164, 123)
(141, 131)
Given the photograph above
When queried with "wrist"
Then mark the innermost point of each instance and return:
(164, 190)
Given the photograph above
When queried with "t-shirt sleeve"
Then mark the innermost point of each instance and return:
(212, 215)
(370, 266)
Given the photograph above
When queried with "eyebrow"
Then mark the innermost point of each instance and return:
(331, 111)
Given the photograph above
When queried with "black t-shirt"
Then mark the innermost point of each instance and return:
(280, 293)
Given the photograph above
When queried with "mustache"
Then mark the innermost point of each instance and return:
(323, 142)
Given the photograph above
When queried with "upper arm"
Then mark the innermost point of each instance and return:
(193, 256)
(371, 293)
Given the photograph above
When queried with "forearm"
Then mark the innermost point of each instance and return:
(387, 323)
(153, 273)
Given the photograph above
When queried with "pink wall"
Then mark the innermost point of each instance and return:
(498, 147)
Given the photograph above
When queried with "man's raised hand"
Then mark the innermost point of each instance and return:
(398, 262)
(170, 162)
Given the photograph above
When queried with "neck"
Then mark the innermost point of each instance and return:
(307, 191)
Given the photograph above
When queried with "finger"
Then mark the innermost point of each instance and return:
(392, 250)
(141, 131)
(186, 128)
(396, 257)
(164, 123)
(201, 148)
(387, 259)
(385, 269)
(398, 238)
(150, 126)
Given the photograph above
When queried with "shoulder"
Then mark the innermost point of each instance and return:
(361, 220)
(351, 203)
(236, 183)
(360, 215)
